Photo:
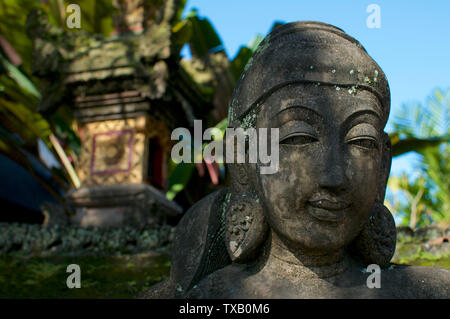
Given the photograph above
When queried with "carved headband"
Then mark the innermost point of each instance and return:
(306, 52)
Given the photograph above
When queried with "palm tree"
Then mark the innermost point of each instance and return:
(424, 130)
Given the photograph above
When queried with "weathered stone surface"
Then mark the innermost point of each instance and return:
(137, 205)
(64, 60)
(190, 260)
(323, 208)
(80, 64)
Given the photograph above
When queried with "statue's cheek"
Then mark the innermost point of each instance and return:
(293, 183)
(362, 178)
(298, 167)
(362, 164)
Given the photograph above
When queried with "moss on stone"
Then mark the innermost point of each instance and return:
(101, 277)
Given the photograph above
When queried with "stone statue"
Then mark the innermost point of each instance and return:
(312, 229)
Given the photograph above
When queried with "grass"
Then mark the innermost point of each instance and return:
(443, 262)
(425, 259)
(101, 276)
(412, 252)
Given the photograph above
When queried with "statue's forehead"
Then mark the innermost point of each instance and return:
(323, 100)
(307, 53)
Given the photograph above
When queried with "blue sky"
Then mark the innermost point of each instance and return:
(412, 46)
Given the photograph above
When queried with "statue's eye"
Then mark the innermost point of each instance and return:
(299, 139)
(367, 143)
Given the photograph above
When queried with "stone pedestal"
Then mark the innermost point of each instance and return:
(135, 205)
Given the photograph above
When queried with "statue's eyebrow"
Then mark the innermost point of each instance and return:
(369, 115)
(306, 114)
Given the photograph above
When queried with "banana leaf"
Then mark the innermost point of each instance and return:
(198, 33)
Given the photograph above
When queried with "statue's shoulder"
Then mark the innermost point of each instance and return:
(417, 281)
(198, 247)
(225, 283)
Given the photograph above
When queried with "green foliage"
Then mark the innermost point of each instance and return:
(421, 207)
(415, 253)
(13, 15)
(180, 174)
(243, 56)
(418, 128)
(179, 178)
(22, 126)
(420, 258)
(21, 79)
(198, 33)
(96, 16)
(425, 130)
(19, 95)
(419, 145)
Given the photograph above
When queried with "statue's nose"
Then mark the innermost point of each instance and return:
(332, 170)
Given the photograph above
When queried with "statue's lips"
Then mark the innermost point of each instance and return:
(327, 210)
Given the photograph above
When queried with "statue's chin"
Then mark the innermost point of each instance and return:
(316, 239)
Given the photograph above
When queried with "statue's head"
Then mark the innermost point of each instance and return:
(330, 101)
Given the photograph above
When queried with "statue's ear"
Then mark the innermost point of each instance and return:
(385, 168)
(245, 225)
(376, 242)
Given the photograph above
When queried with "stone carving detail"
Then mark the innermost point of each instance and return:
(311, 229)
(245, 228)
(239, 223)
(112, 152)
(376, 242)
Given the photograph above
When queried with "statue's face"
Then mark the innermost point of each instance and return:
(329, 162)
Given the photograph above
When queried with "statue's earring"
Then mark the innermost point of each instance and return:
(376, 242)
(245, 227)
